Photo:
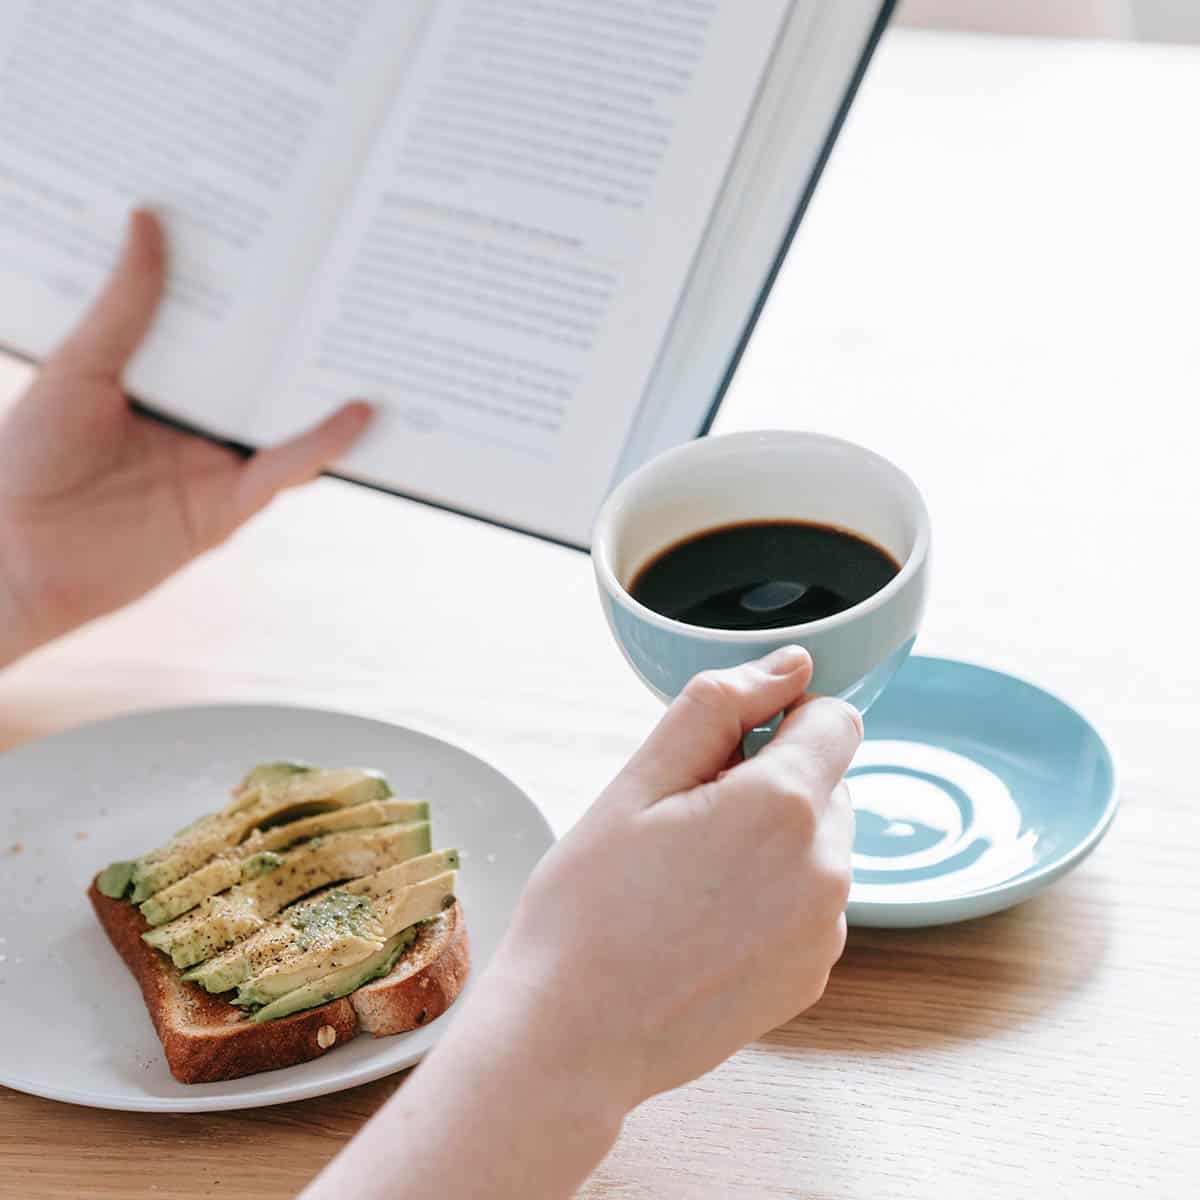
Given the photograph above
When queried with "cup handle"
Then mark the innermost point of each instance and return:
(759, 736)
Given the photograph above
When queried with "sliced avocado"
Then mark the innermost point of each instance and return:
(288, 798)
(418, 902)
(260, 778)
(336, 915)
(253, 954)
(359, 816)
(179, 857)
(342, 934)
(345, 929)
(208, 928)
(215, 876)
(228, 968)
(259, 855)
(184, 894)
(260, 863)
(340, 982)
(113, 881)
(319, 791)
(404, 874)
(244, 909)
(269, 773)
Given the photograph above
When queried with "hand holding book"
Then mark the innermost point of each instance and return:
(99, 504)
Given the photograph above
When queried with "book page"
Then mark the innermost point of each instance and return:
(241, 124)
(773, 172)
(502, 283)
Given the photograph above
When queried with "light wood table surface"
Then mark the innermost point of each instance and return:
(996, 286)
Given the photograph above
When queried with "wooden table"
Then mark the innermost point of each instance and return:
(996, 287)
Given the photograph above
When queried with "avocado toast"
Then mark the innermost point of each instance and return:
(309, 909)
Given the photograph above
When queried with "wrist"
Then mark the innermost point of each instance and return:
(506, 1104)
(567, 1031)
(580, 1073)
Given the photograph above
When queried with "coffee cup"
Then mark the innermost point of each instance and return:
(777, 476)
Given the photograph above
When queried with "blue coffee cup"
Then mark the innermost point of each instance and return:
(765, 475)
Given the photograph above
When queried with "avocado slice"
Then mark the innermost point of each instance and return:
(184, 894)
(215, 876)
(337, 932)
(340, 982)
(253, 954)
(268, 774)
(264, 777)
(344, 930)
(296, 795)
(359, 816)
(404, 874)
(317, 791)
(245, 908)
(113, 881)
(258, 853)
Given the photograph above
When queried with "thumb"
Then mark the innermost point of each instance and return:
(113, 327)
(299, 460)
(705, 725)
(809, 754)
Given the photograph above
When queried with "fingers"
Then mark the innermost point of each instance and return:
(804, 762)
(113, 327)
(701, 731)
(816, 740)
(297, 461)
(839, 821)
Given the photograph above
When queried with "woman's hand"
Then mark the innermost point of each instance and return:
(99, 504)
(694, 908)
(698, 904)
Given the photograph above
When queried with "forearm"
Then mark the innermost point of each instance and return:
(509, 1105)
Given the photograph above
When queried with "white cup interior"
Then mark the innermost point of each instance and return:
(765, 475)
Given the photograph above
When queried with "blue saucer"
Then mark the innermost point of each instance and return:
(972, 791)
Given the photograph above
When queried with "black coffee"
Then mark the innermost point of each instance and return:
(762, 574)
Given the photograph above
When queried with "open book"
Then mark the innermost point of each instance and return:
(535, 233)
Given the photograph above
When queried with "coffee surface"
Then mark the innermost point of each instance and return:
(762, 575)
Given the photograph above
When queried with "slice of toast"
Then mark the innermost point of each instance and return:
(207, 1039)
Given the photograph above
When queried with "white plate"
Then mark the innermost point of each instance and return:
(72, 1023)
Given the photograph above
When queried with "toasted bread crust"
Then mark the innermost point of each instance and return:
(206, 1039)
(422, 985)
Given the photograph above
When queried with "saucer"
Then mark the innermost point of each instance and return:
(972, 791)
